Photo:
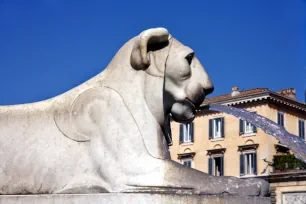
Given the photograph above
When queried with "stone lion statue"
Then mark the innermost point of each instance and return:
(111, 133)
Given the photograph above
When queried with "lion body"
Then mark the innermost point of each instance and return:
(42, 150)
(108, 134)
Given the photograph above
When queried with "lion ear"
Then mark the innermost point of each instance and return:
(140, 59)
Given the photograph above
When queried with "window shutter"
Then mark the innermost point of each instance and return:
(210, 129)
(303, 130)
(241, 164)
(192, 131)
(222, 127)
(210, 166)
(241, 131)
(254, 128)
(255, 162)
(280, 119)
(300, 128)
(222, 166)
(168, 127)
(181, 133)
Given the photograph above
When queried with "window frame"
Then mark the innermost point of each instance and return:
(249, 163)
(187, 160)
(245, 125)
(213, 167)
(187, 131)
(253, 162)
(217, 122)
(212, 128)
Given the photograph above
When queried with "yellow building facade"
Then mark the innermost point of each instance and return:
(221, 144)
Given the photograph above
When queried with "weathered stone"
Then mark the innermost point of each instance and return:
(132, 198)
(294, 198)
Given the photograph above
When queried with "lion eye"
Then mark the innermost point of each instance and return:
(189, 58)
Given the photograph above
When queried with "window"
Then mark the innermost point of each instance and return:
(248, 163)
(246, 127)
(302, 129)
(186, 132)
(216, 166)
(280, 118)
(187, 163)
(216, 128)
(186, 158)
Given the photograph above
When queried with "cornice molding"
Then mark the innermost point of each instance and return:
(251, 98)
(247, 147)
(216, 151)
(186, 155)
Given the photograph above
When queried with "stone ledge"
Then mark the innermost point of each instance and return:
(120, 198)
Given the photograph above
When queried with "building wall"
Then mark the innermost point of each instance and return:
(291, 118)
(232, 139)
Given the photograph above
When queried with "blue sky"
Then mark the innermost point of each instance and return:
(50, 46)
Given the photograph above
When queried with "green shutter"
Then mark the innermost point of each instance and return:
(210, 129)
(254, 128)
(192, 131)
(210, 166)
(241, 164)
(222, 127)
(302, 129)
(222, 166)
(255, 162)
(181, 133)
(241, 129)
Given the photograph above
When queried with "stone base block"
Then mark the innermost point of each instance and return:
(121, 198)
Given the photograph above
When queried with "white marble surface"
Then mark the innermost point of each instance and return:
(110, 134)
(130, 199)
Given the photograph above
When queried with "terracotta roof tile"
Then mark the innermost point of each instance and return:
(229, 96)
(285, 96)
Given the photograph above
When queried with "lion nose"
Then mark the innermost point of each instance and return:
(208, 88)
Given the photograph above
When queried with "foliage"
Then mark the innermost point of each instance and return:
(287, 162)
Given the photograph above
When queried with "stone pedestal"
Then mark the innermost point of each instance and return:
(120, 198)
(293, 197)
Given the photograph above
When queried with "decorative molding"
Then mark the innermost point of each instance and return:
(186, 155)
(186, 143)
(246, 100)
(216, 139)
(288, 102)
(252, 134)
(286, 177)
(266, 95)
(216, 151)
(298, 197)
(247, 147)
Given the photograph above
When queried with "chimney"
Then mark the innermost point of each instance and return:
(289, 92)
(235, 91)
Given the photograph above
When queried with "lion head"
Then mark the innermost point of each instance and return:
(186, 82)
(173, 82)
